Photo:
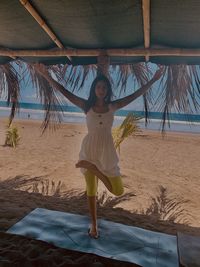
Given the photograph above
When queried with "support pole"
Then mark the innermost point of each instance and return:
(103, 62)
(146, 24)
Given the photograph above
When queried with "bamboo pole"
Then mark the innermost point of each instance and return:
(42, 23)
(146, 24)
(103, 62)
(96, 52)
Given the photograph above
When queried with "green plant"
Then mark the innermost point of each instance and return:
(12, 136)
(127, 128)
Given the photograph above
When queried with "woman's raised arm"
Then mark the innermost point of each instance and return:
(78, 101)
(120, 103)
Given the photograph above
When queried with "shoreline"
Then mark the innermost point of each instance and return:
(79, 118)
(38, 121)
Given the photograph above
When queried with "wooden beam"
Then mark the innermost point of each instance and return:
(124, 52)
(42, 23)
(146, 24)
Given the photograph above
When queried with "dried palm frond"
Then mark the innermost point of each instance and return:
(107, 201)
(74, 77)
(9, 86)
(127, 128)
(166, 207)
(180, 90)
(137, 72)
(179, 86)
(48, 95)
(140, 74)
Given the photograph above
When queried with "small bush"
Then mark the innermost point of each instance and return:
(12, 136)
(127, 128)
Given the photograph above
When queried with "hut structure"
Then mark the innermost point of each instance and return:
(86, 36)
(75, 37)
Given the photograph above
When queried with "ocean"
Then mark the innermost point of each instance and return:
(71, 114)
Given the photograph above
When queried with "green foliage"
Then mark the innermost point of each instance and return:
(12, 136)
(127, 128)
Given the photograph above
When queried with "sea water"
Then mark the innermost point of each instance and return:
(72, 114)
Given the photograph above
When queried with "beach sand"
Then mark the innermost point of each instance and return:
(161, 177)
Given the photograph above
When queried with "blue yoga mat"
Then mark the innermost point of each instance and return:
(116, 241)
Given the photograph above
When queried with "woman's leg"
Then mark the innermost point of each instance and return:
(93, 231)
(91, 190)
(93, 169)
(117, 185)
(113, 184)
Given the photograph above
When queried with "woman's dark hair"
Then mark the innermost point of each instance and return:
(92, 97)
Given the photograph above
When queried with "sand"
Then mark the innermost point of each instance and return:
(161, 178)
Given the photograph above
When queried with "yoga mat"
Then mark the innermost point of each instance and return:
(117, 241)
(189, 250)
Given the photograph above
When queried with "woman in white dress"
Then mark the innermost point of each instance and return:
(98, 157)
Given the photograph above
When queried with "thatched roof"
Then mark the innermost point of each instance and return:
(101, 24)
(75, 32)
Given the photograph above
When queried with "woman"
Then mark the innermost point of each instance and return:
(98, 157)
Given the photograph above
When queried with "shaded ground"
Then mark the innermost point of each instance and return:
(21, 251)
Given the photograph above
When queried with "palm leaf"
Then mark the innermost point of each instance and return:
(179, 86)
(139, 74)
(49, 96)
(180, 91)
(127, 128)
(9, 86)
(166, 207)
(74, 77)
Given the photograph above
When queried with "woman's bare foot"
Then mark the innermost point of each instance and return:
(93, 232)
(91, 167)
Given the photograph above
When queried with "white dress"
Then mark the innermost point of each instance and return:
(97, 146)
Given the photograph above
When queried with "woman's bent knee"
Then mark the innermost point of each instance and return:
(117, 186)
(118, 191)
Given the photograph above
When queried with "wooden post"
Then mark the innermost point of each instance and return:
(146, 24)
(103, 62)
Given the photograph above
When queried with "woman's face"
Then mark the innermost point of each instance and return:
(101, 90)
